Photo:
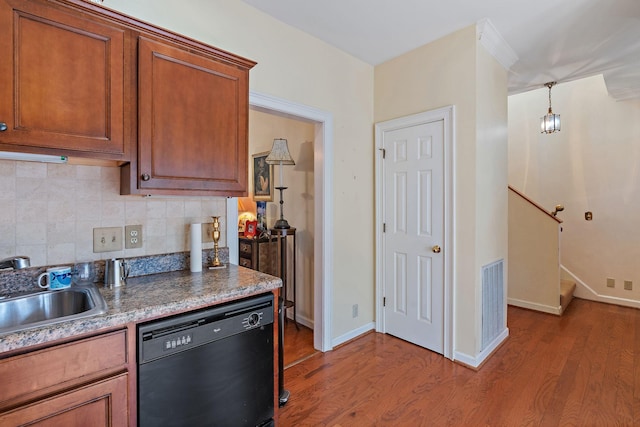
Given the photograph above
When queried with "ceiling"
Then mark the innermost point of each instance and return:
(553, 40)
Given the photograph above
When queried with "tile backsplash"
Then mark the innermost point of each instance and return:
(48, 213)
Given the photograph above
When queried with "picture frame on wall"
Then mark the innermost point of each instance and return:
(262, 174)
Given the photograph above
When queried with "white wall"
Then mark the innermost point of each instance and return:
(49, 212)
(592, 164)
(297, 67)
(455, 70)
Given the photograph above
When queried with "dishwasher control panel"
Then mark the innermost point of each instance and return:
(180, 333)
(178, 341)
(252, 320)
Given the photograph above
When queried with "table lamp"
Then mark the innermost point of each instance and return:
(280, 155)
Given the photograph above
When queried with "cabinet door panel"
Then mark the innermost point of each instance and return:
(99, 404)
(192, 121)
(36, 373)
(64, 80)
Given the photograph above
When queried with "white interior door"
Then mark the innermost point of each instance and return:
(413, 212)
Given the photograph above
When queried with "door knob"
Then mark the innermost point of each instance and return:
(3, 126)
(146, 177)
(436, 249)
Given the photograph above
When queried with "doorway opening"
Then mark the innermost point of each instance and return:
(323, 209)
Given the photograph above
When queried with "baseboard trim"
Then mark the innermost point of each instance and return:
(353, 334)
(585, 292)
(477, 361)
(302, 320)
(534, 306)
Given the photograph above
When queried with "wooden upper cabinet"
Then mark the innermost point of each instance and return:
(81, 80)
(193, 121)
(63, 88)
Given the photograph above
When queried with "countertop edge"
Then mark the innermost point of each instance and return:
(68, 330)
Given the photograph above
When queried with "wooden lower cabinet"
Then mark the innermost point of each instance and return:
(80, 383)
(103, 403)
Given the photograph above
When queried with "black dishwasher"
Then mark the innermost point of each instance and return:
(212, 367)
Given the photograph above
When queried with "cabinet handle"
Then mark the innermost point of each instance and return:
(3, 126)
(146, 177)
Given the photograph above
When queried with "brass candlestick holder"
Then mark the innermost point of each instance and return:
(216, 236)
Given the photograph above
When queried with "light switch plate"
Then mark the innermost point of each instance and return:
(107, 239)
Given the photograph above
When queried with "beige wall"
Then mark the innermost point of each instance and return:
(49, 212)
(436, 75)
(297, 67)
(592, 164)
(299, 196)
(491, 173)
(534, 257)
(455, 70)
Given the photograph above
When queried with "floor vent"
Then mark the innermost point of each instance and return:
(492, 302)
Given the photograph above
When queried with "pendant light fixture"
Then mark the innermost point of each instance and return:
(550, 123)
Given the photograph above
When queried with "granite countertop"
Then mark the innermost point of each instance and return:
(152, 296)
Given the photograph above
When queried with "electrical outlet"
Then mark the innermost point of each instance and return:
(628, 285)
(354, 311)
(133, 236)
(107, 239)
(207, 232)
(611, 283)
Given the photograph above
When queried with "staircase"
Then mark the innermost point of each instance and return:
(567, 288)
(535, 279)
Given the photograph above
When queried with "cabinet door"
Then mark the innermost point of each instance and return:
(62, 81)
(193, 113)
(99, 404)
(32, 375)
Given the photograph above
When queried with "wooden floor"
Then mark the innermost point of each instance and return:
(581, 369)
(298, 343)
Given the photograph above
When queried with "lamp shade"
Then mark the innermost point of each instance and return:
(280, 153)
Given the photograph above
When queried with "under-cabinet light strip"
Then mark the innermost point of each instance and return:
(28, 157)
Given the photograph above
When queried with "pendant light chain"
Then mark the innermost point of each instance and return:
(550, 85)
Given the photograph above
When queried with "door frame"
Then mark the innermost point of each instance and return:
(447, 114)
(323, 207)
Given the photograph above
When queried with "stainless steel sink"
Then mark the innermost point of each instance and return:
(50, 307)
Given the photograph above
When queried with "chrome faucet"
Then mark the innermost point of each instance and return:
(16, 262)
